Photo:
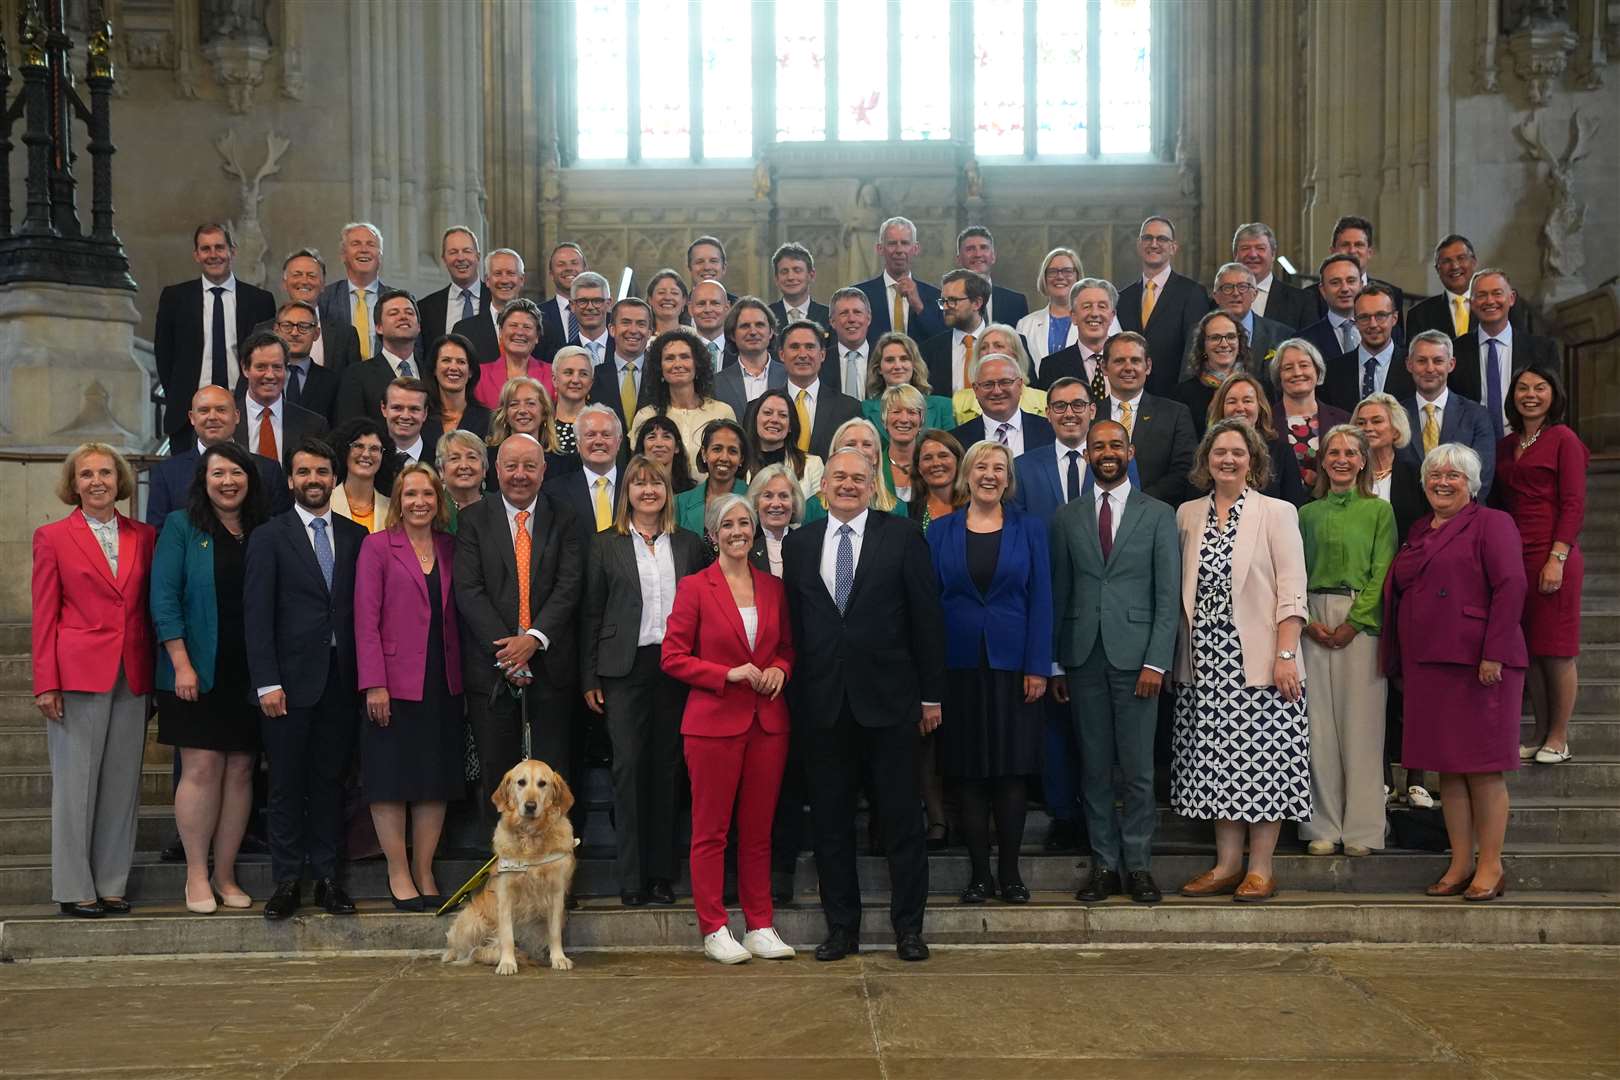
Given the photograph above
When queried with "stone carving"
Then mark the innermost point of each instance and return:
(247, 228)
(1541, 44)
(96, 420)
(972, 180)
(762, 181)
(236, 41)
(1562, 257)
(860, 234)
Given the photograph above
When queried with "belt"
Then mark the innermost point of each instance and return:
(1342, 590)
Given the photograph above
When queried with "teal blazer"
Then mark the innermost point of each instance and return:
(689, 504)
(182, 598)
(938, 414)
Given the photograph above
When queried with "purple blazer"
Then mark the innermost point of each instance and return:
(391, 615)
(1464, 585)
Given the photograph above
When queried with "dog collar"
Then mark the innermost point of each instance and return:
(514, 866)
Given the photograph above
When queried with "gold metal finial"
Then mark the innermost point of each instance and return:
(31, 35)
(99, 62)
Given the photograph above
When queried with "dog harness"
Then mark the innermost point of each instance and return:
(515, 866)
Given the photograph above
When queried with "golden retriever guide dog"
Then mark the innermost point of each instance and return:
(534, 846)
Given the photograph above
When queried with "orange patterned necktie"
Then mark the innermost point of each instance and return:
(520, 548)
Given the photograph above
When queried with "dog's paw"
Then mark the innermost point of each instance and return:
(507, 966)
(561, 963)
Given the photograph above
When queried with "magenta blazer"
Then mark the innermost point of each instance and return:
(492, 377)
(391, 615)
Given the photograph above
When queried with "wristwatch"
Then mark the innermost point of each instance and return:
(1287, 654)
(1561, 556)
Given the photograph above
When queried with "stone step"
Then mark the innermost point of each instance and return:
(1052, 918)
(17, 705)
(1578, 778)
(28, 832)
(1598, 695)
(1600, 661)
(1590, 736)
(16, 672)
(16, 637)
(1600, 625)
(22, 743)
(25, 787)
(1537, 867)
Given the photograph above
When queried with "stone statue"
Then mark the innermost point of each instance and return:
(234, 21)
(860, 234)
(762, 181)
(1562, 257)
(246, 227)
(972, 180)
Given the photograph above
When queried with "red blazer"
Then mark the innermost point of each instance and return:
(86, 624)
(391, 615)
(704, 639)
(492, 377)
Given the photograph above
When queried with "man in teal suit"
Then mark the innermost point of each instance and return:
(1116, 591)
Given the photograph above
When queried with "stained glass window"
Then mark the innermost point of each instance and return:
(1125, 41)
(666, 93)
(863, 70)
(604, 109)
(801, 72)
(1060, 78)
(728, 79)
(998, 77)
(925, 70)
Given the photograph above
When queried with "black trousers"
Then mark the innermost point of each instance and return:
(787, 830)
(644, 723)
(836, 758)
(308, 750)
(497, 725)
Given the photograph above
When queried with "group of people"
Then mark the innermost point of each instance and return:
(919, 543)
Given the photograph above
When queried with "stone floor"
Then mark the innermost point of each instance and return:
(1293, 1012)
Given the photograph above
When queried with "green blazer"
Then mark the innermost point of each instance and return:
(939, 413)
(689, 504)
(1133, 601)
(182, 598)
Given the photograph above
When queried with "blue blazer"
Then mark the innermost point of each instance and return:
(1040, 487)
(920, 326)
(169, 485)
(182, 599)
(1014, 621)
(1462, 421)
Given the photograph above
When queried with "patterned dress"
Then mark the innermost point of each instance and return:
(1241, 753)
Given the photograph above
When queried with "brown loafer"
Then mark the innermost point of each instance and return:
(1210, 884)
(1256, 888)
(1446, 888)
(1475, 893)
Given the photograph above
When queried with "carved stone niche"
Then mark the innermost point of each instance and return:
(1541, 43)
(236, 42)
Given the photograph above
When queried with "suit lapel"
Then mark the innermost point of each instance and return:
(129, 541)
(79, 529)
(869, 542)
(1442, 538)
(1134, 507)
(1248, 536)
(728, 606)
(405, 555)
(306, 552)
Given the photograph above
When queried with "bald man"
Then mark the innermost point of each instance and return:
(213, 417)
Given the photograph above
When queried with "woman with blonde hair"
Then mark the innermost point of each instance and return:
(903, 410)
(1003, 339)
(524, 408)
(896, 361)
(1052, 327)
(1243, 396)
(861, 434)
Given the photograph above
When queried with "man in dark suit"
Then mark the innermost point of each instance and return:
(620, 381)
(1092, 302)
(310, 385)
(824, 409)
(1162, 305)
(1353, 236)
(794, 270)
(861, 587)
(591, 491)
(518, 619)
(976, 251)
(213, 419)
(200, 323)
(1235, 293)
(503, 282)
(270, 425)
(949, 354)
(590, 298)
(706, 261)
(303, 276)
(998, 385)
(895, 292)
(352, 301)
(849, 353)
(1339, 283)
(1117, 542)
(360, 391)
(1255, 246)
(1448, 310)
(558, 323)
(1161, 429)
(1378, 364)
(411, 435)
(465, 296)
(298, 596)
(1488, 356)
(1437, 415)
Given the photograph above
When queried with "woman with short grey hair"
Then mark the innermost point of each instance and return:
(1297, 370)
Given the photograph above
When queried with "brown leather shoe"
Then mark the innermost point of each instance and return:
(1208, 884)
(1256, 888)
(1476, 893)
(1443, 887)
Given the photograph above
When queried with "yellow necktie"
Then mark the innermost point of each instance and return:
(627, 392)
(897, 321)
(362, 324)
(967, 358)
(1459, 314)
(1431, 428)
(801, 405)
(1150, 293)
(604, 505)
(1126, 418)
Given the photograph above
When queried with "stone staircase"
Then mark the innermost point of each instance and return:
(1563, 856)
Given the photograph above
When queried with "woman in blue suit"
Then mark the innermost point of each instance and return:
(995, 582)
(206, 706)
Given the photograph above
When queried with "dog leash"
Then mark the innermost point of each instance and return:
(498, 865)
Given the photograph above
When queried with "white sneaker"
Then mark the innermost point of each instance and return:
(766, 945)
(722, 948)
(1417, 795)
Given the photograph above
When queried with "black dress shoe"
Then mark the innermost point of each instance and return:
(432, 901)
(659, 891)
(633, 898)
(911, 947)
(415, 903)
(1143, 889)
(114, 907)
(330, 895)
(284, 901)
(978, 891)
(92, 910)
(175, 852)
(941, 841)
(839, 944)
(1060, 837)
(1103, 884)
(782, 889)
(1014, 892)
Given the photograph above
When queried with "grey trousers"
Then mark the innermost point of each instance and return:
(1114, 726)
(1346, 707)
(96, 754)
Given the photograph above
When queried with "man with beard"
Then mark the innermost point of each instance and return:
(298, 595)
(962, 296)
(1116, 591)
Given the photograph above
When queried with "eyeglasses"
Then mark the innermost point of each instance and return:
(1220, 339)
(1366, 317)
(1234, 288)
(988, 385)
(1152, 238)
(1078, 405)
(948, 301)
(589, 301)
(1062, 271)
(299, 327)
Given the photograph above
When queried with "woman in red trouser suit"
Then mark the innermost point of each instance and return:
(728, 638)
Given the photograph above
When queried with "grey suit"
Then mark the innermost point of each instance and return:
(728, 384)
(1114, 618)
(334, 305)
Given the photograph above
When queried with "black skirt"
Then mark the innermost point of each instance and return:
(986, 730)
(226, 717)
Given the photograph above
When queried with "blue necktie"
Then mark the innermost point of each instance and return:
(466, 304)
(216, 346)
(1074, 476)
(295, 383)
(573, 325)
(323, 550)
(844, 568)
(1493, 388)
(405, 369)
(1368, 372)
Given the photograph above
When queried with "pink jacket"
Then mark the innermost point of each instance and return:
(492, 377)
(391, 615)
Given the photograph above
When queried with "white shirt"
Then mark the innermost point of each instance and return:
(1063, 453)
(1439, 403)
(1261, 295)
(452, 307)
(1504, 364)
(612, 478)
(810, 393)
(755, 385)
(857, 389)
(1340, 324)
(255, 417)
(1116, 499)
(232, 368)
(717, 355)
(596, 346)
(1115, 401)
(959, 352)
(891, 289)
(413, 451)
(1381, 371)
(1015, 430)
(511, 533)
(620, 363)
(656, 570)
(395, 361)
(563, 303)
(829, 549)
(750, 621)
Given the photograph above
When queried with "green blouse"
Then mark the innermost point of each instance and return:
(1349, 544)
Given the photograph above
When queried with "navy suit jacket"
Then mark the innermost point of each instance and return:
(297, 424)
(1175, 318)
(169, 484)
(1040, 482)
(937, 354)
(1290, 305)
(177, 340)
(1007, 306)
(920, 325)
(605, 388)
(1462, 421)
(553, 330)
(433, 308)
(1342, 387)
(1011, 622)
(1320, 333)
(1037, 431)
